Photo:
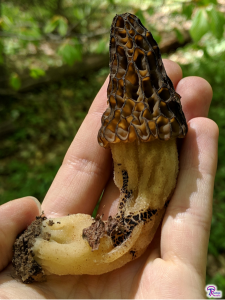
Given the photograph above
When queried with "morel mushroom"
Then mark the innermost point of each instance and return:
(141, 125)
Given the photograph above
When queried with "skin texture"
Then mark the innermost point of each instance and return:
(174, 264)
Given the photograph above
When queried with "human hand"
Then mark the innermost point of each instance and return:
(174, 264)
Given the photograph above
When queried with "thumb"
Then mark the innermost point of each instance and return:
(15, 216)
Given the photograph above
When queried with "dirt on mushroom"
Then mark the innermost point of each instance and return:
(23, 260)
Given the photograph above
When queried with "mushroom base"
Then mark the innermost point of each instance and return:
(146, 175)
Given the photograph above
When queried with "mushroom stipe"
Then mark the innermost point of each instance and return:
(141, 124)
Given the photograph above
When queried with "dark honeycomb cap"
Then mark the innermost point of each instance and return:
(142, 100)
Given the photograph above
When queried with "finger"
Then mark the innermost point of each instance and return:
(154, 247)
(85, 169)
(196, 96)
(109, 202)
(15, 216)
(186, 226)
(173, 71)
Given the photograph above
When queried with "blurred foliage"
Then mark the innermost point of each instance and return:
(61, 31)
(37, 127)
(14, 81)
(43, 125)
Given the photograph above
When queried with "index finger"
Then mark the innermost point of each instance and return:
(85, 168)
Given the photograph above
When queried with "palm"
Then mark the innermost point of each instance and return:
(134, 280)
(174, 264)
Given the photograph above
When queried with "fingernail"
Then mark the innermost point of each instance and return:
(37, 203)
(53, 215)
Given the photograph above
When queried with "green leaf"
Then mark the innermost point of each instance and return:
(216, 22)
(79, 13)
(175, 13)
(5, 22)
(63, 26)
(58, 22)
(51, 25)
(36, 72)
(14, 81)
(1, 59)
(151, 10)
(101, 46)
(31, 32)
(70, 53)
(206, 53)
(1, 53)
(205, 2)
(157, 38)
(200, 25)
(140, 15)
(187, 10)
(155, 34)
(179, 35)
